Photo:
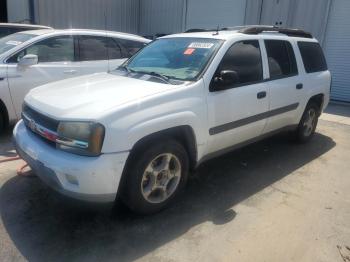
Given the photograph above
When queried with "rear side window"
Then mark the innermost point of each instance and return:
(244, 58)
(131, 46)
(313, 57)
(95, 48)
(281, 59)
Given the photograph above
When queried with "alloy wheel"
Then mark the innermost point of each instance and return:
(161, 178)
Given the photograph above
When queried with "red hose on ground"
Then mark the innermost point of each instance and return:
(8, 159)
(20, 170)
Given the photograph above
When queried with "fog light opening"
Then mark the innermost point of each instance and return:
(72, 179)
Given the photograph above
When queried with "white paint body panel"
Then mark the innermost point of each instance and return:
(95, 176)
(130, 109)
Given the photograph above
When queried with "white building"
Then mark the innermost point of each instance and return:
(328, 20)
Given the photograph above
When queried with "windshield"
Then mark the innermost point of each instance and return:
(177, 58)
(11, 41)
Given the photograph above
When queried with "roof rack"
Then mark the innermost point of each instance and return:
(198, 30)
(254, 30)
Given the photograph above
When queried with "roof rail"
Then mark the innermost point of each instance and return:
(198, 30)
(254, 30)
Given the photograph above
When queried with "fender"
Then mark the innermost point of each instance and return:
(184, 106)
(164, 123)
(161, 123)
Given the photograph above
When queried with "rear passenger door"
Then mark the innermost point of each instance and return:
(98, 54)
(285, 85)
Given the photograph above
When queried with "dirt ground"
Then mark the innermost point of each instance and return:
(271, 201)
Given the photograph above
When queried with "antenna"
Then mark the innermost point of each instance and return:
(108, 70)
(217, 30)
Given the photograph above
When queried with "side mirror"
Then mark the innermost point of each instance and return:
(28, 60)
(225, 79)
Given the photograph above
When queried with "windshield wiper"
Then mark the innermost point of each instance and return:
(164, 77)
(155, 74)
(124, 67)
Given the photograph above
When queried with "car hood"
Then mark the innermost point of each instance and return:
(88, 97)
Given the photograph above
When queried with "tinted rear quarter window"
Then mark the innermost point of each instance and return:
(313, 57)
(131, 46)
(281, 57)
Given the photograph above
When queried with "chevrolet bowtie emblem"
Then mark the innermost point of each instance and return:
(32, 124)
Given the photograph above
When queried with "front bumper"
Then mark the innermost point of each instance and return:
(94, 179)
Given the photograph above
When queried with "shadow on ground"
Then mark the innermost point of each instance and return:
(45, 227)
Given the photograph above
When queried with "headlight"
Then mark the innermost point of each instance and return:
(83, 138)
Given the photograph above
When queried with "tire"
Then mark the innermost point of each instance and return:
(2, 123)
(308, 123)
(155, 177)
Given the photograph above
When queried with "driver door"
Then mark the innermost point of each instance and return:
(236, 111)
(56, 61)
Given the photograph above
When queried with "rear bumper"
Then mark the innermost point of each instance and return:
(93, 179)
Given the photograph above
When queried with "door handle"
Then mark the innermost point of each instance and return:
(299, 86)
(2, 78)
(70, 72)
(261, 95)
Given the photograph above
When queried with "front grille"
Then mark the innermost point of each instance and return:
(42, 126)
(41, 119)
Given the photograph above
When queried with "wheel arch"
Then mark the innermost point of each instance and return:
(183, 134)
(318, 100)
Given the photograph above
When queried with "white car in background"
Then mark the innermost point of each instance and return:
(33, 58)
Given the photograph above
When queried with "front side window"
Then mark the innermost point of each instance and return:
(313, 57)
(178, 58)
(281, 59)
(244, 58)
(55, 49)
(11, 41)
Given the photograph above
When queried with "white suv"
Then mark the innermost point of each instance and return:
(135, 132)
(33, 58)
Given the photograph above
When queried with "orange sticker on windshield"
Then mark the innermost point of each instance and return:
(189, 51)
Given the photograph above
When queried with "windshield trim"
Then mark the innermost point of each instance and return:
(200, 73)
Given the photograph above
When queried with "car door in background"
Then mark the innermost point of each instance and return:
(236, 114)
(56, 61)
(285, 84)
